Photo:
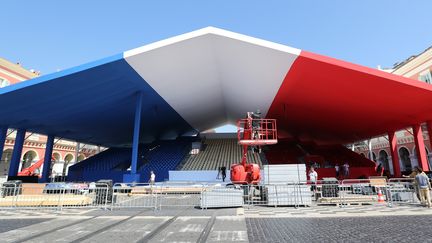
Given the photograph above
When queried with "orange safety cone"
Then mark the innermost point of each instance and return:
(380, 196)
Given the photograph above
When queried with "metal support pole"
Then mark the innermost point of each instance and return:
(77, 151)
(3, 133)
(420, 147)
(137, 124)
(429, 129)
(133, 176)
(46, 169)
(17, 151)
(394, 153)
(370, 149)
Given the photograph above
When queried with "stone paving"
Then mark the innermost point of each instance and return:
(334, 229)
(334, 211)
(370, 223)
(170, 225)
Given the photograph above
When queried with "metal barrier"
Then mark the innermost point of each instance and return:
(41, 196)
(402, 191)
(135, 195)
(208, 195)
(363, 191)
(181, 194)
(218, 196)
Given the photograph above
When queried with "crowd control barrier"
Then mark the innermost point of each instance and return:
(103, 195)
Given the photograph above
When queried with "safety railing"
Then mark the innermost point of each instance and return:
(256, 131)
(181, 194)
(54, 196)
(402, 191)
(208, 195)
(135, 195)
(363, 191)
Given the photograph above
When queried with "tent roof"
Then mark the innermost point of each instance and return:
(210, 77)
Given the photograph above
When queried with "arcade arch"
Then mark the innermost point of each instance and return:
(404, 156)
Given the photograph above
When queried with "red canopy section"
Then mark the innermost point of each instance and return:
(328, 101)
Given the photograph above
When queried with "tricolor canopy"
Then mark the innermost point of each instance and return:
(210, 77)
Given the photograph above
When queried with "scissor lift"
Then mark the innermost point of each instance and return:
(252, 132)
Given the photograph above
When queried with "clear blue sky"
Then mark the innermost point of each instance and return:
(51, 35)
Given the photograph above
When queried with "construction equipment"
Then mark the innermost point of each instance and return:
(31, 170)
(252, 131)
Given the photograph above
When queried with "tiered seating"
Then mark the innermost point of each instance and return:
(219, 152)
(163, 157)
(113, 163)
(101, 166)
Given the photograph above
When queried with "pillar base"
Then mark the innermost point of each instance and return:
(130, 178)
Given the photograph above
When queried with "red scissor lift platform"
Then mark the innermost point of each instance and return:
(265, 133)
(252, 132)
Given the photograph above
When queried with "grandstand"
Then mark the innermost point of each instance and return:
(217, 153)
(142, 103)
(160, 157)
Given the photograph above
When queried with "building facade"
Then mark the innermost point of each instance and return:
(65, 153)
(418, 67)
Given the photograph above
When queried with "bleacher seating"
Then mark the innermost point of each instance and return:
(160, 156)
(218, 153)
(101, 166)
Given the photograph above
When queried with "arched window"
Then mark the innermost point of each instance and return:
(4, 82)
(383, 159)
(56, 157)
(28, 158)
(67, 160)
(404, 156)
(80, 158)
(5, 162)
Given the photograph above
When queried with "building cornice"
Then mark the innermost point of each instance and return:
(16, 69)
(415, 65)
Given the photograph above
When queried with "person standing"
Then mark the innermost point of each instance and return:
(337, 171)
(346, 170)
(313, 177)
(256, 128)
(223, 172)
(424, 187)
(152, 178)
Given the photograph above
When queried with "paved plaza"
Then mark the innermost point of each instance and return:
(370, 223)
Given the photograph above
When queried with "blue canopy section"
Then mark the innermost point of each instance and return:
(92, 103)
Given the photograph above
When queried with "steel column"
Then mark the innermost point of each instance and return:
(370, 149)
(46, 169)
(429, 128)
(394, 153)
(3, 135)
(133, 176)
(420, 147)
(17, 151)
